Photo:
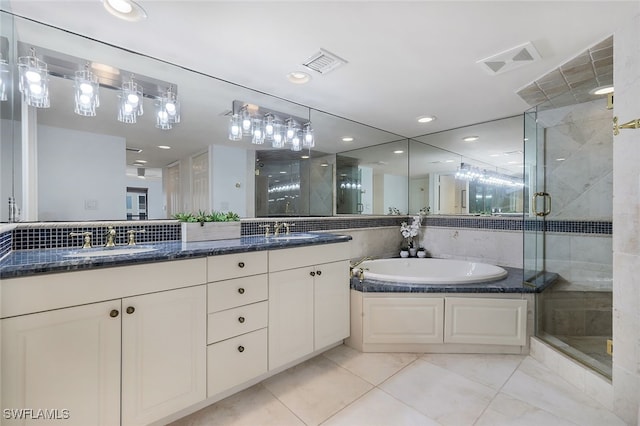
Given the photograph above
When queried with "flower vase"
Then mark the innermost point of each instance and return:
(413, 251)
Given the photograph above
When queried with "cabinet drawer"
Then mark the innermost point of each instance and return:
(232, 322)
(240, 291)
(280, 260)
(236, 265)
(236, 360)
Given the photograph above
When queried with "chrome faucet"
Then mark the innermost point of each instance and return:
(111, 237)
(266, 229)
(287, 226)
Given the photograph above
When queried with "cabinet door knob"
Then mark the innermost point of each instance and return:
(241, 264)
(313, 274)
(241, 290)
(240, 348)
(131, 309)
(318, 273)
(114, 313)
(241, 320)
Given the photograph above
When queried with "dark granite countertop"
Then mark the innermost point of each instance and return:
(23, 263)
(512, 283)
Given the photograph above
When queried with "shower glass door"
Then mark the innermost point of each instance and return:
(533, 184)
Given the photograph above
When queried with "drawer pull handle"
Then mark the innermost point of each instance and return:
(318, 273)
(241, 320)
(241, 290)
(240, 348)
(114, 313)
(241, 264)
(313, 274)
(131, 310)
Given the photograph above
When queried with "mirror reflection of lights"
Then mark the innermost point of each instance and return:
(285, 188)
(487, 177)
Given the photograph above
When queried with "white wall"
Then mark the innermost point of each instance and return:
(396, 193)
(229, 179)
(626, 217)
(71, 187)
(6, 165)
(155, 195)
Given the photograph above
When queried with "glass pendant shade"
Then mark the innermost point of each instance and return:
(295, 143)
(130, 102)
(33, 81)
(307, 136)
(5, 76)
(258, 132)
(235, 129)
(86, 93)
(167, 110)
(246, 123)
(278, 136)
(269, 126)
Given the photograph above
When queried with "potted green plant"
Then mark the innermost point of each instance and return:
(204, 226)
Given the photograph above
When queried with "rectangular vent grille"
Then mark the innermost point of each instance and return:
(508, 60)
(323, 62)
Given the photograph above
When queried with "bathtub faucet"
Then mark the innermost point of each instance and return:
(359, 272)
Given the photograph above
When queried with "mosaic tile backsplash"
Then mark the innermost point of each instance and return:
(56, 235)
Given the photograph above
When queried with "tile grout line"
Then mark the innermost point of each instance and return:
(283, 404)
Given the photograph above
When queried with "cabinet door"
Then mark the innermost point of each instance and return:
(290, 315)
(66, 359)
(163, 353)
(331, 303)
(402, 320)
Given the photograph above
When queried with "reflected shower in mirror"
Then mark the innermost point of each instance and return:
(476, 169)
(373, 180)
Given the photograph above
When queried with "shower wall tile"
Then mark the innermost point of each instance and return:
(626, 209)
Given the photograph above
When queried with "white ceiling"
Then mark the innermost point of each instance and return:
(405, 58)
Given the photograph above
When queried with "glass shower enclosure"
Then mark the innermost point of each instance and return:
(568, 225)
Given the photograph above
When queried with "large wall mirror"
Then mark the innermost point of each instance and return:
(476, 170)
(61, 166)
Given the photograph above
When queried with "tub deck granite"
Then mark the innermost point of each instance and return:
(512, 283)
(23, 263)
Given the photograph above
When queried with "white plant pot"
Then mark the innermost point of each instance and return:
(209, 231)
(422, 253)
(404, 253)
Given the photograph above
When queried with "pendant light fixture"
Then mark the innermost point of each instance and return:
(86, 93)
(167, 110)
(130, 102)
(33, 80)
(264, 125)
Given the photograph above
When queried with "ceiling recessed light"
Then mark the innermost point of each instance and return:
(298, 77)
(560, 159)
(471, 138)
(449, 161)
(398, 151)
(304, 157)
(324, 165)
(426, 118)
(347, 139)
(125, 9)
(602, 90)
(283, 173)
(495, 155)
(140, 161)
(164, 147)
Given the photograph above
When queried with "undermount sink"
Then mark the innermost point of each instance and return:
(101, 252)
(294, 237)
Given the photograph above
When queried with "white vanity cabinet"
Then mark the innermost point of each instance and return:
(66, 359)
(308, 300)
(237, 319)
(123, 345)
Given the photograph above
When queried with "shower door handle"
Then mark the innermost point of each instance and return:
(547, 206)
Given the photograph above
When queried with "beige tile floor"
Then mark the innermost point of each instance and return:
(348, 388)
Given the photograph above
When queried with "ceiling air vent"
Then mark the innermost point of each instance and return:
(508, 60)
(323, 62)
(138, 150)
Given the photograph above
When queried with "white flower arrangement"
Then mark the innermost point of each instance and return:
(411, 231)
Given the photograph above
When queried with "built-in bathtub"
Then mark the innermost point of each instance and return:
(440, 305)
(430, 271)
